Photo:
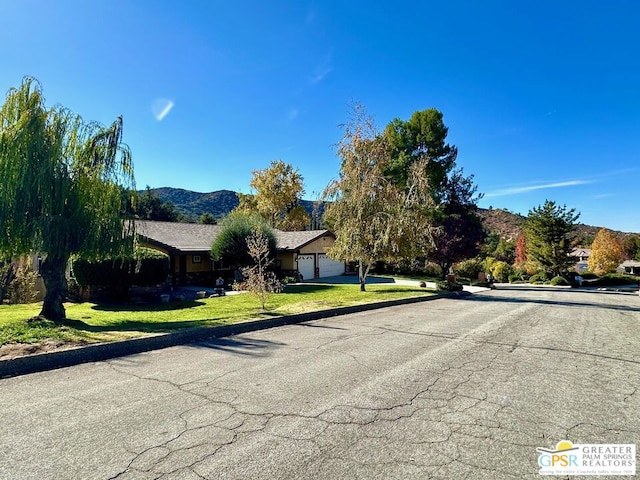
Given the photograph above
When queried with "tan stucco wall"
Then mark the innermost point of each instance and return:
(204, 265)
(320, 245)
(286, 260)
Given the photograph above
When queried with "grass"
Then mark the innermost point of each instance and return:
(90, 323)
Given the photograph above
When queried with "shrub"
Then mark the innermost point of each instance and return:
(432, 270)
(448, 286)
(501, 271)
(613, 279)
(556, 281)
(147, 267)
(469, 268)
(539, 277)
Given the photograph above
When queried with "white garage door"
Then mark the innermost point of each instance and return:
(329, 267)
(306, 266)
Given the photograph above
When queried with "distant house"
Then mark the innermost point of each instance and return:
(632, 267)
(582, 258)
(188, 246)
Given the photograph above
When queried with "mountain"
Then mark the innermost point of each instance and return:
(193, 204)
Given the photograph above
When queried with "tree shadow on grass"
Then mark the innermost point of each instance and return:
(306, 288)
(139, 326)
(152, 307)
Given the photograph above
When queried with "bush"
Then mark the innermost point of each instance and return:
(559, 281)
(539, 277)
(501, 271)
(147, 267)
(469, 268)
(613, 279)
(432, 270)
(448, 286)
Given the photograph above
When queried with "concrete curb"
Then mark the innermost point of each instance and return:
(105, 351)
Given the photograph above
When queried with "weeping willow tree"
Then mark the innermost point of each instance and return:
(60, 188)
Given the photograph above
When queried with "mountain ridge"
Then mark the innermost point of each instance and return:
(506, 224)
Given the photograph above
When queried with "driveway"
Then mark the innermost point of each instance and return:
(463, 387)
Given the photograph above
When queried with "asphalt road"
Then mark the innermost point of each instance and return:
(452, 388)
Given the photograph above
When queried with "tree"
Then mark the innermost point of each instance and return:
(421, 140)
(459, 230)
(230, 245)
(279, 190)
(207, 218)
(60, 188)
(550, 229)
(373, 218)
(606, 252)
(421, 137)
(258, 280)
(149, 206)
(521, 250)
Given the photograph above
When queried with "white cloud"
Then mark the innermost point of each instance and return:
(161, 108)
(516, 190)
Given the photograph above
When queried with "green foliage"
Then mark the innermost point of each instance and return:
(501, 271)
(374, 218)
(550, 229)
(559, 281)
(540, 277)
(149, 206)
(613, 279)
(146, 267)
(62, 182)
(448, 286)
(230, 245)
(207, 219)
(422, 136)
(469, 268)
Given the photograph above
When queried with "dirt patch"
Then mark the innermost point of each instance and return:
(14, 350)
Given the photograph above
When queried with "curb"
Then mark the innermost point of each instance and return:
(104, 351)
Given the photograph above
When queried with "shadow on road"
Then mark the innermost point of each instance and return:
(240, 345)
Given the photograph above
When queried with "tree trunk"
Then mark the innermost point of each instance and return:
(362, 275)
(53, 274)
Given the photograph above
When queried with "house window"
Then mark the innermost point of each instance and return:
(196, 259)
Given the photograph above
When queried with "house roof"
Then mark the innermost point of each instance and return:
(581, 252)
(197, 237)
(292, 241)
(630, 263)
(184, 237)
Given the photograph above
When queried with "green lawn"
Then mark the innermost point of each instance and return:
(89, 323)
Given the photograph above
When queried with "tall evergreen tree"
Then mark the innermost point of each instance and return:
(61, 183)
(550, 228)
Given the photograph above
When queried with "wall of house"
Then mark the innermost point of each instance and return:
(286, 260)
(319, 245)
(204, 265)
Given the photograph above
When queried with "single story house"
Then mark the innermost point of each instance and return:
(582, 258)
(631, 267)
(188, 246)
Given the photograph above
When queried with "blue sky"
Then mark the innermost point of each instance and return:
(541, 98)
